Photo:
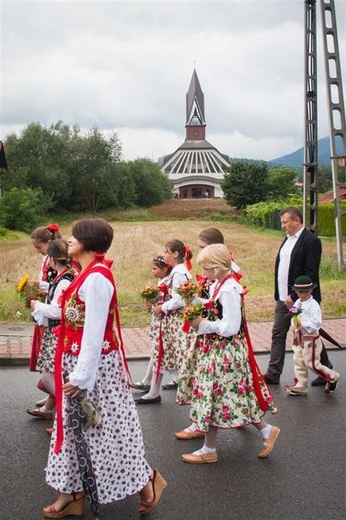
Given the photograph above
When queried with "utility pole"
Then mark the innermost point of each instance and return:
(336, 109)
(337, 123)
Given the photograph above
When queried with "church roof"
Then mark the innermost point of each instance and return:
(195, 102)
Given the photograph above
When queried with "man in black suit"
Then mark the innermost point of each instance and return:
(299, 254)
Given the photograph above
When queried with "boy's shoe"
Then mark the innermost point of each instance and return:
(296, 390)
(331, 386)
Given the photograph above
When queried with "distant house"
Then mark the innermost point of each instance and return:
(329, 196)
(196, 169)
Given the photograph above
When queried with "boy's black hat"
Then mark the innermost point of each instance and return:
(304, 284)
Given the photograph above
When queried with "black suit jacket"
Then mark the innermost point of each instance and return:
(305, 260)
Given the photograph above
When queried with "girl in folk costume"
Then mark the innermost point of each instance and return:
(184, 393)
(170, 339)
(229, 391)
(40, 239)
(88, 356)
(160, 269)
(48, 314)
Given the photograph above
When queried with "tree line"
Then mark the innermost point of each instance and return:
(59, 168)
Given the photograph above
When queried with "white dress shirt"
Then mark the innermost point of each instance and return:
(284, 264)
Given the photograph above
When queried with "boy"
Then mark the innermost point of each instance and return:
(307, 346)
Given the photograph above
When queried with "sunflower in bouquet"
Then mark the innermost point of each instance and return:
(190, 312)
(30, 291)
(150, 293)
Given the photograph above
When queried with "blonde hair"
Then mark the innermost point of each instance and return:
(215, 256)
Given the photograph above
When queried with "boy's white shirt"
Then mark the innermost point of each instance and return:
(311, 316)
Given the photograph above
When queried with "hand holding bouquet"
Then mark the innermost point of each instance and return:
(187, 291)
(293, 313)
(30, 290)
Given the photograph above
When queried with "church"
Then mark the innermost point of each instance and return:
(196, 169)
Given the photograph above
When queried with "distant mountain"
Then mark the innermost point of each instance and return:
(296, 159)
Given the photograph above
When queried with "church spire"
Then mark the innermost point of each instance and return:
(195, 118)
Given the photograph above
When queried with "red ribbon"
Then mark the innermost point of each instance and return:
(53, 227)
(256, 373)
(186, 327)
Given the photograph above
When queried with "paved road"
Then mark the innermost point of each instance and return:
(304, 478)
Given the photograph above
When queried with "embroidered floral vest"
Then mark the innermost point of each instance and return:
(74, 315)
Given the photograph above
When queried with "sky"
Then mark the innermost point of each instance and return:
(125, 67)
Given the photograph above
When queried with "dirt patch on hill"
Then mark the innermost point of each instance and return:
(192, 208)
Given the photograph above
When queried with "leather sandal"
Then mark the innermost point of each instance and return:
(72, 508)
(159, 485)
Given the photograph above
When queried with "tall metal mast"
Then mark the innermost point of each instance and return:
(336, 110)
(337, 123)
(310, 166)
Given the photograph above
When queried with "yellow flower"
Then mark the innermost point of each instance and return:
(22, 282)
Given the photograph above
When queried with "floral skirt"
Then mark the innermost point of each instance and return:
(170, 328)
(115, 446)
(187, 369)
(45, 361)
(223, 392)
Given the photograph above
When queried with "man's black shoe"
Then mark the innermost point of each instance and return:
(319, 381)
(270, 380)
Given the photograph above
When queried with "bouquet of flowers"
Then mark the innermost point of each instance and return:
(30, 290)
(187, 291)
(149, 293)
(191, 312)
(293, 312)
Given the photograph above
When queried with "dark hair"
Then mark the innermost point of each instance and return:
(45, 234)
(293, 212)
(211, 236)
(95, 234)
(177, 246)
(57, 249)
(160, 262)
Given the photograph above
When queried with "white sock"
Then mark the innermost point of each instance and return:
(191, 428)
(266, 432)
(204, 450)
(154, 387)
(43, 409)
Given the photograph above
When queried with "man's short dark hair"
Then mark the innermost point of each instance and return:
(293, 212)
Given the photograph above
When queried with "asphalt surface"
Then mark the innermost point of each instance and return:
(303, 478)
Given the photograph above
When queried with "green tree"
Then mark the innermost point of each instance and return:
(91, 160)
(280, 182)
(151, 185)
(324, 178)
(246, 182)
(22, 209)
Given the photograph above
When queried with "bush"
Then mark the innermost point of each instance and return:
(22, 209)
(326, 219)
(266, 214)
(3, 232)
